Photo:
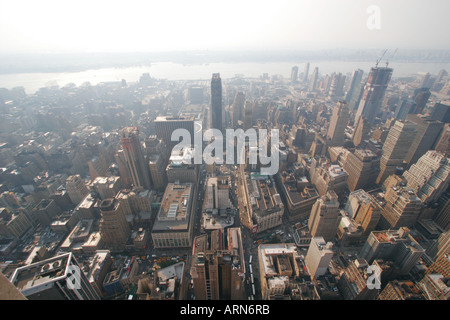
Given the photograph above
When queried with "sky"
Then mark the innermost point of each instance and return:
(63, 26)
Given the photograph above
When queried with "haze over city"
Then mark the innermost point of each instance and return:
(213, 157)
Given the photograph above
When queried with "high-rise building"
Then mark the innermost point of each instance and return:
(134, 158)
(354, 85)
(362, 167)
(248, 115)
(421, 97)
(402, 208)
(441, 111)
(404, 108)
(114, 227)
(319, 256)
(338, 123)
(314, 80)
(264, 207)
(395, 148)
(429, 178)
(443, 141)
(196, 95)
(337, 85)
(363, 209)
(294, 74)
(440, 266)
(428, 132)
(218, 267)
(373, 95)
(107, 187)
(216, 102)
(166, 125)
(396, 245)
(440, 247)
(76, 189)
(306, 73)
(361, 133)
(325, 217)
(435, 287)
(328, 177)
(56, 278)
(353, 282)
(238, 108)
(181, 167)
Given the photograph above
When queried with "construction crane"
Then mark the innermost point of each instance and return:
(387, 61)
(378, 61)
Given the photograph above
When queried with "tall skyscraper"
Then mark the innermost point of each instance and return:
(362, 167)
(55, 278)
(218, 268)
(364, 209)
(430, 176)
(216, 102)
(356, 82)
(238, 108)
(248, 115)
(428, 132)
(294, 74)
(361, 132)
(374, 90)
(337, 85)
(402, 208)
(114, 227)
(134, 158)
(314, 79)
(395, 148)
(441, 112)
(421, 97)
(318, 257)
(338, 123)
(306, 73)
(76, 189)
(325, 217)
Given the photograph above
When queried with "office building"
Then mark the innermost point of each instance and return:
(299, 194)
(314, 80)
(404, 108)
(361, 132)
(374, 91)
(218, 266)
(134, 158)
(396, 245)
(421, 97)
(325, 217)
(318, 257)
(395, 148)
(76, 189)
(428, 132)
(440, 247)
(107, 187)
(353, 91)
(216, 102)
(248, 115)
(174, 225)
(306, 73)
(435, 287)
(363, 209)
(402, 208)
(53, 279)
(443, 141)
(264, 208)
(328, 177)
(338, 123)
(337, 85)
(238, 108)
(114, 228)
(362, 167)
(195, 95)
(429, 178)
(158, 174)
(166, 125)
(441, 112)
(294, 74)
(440, 266)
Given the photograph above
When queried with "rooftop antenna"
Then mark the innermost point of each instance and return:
(387, 61)
(378, 61)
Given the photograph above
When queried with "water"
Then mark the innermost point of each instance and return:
(175, 71)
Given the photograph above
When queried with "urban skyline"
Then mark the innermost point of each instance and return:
(339, 190)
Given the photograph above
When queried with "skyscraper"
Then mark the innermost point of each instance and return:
(361, 132)
(374, 90)
(395, 148)
(318, 257)
(428, 132)
(338, 123)
(421, 97)
(294, 74)
(314, 79)
(306, 73)
(113, 225)
(134, 158)
(218, 269)
(216, 101)
(325, 217)
(356, 82)
(238, 108)
(402, 208)
(166, 125)
(362, 167)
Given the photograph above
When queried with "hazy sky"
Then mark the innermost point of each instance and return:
(159, 25)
